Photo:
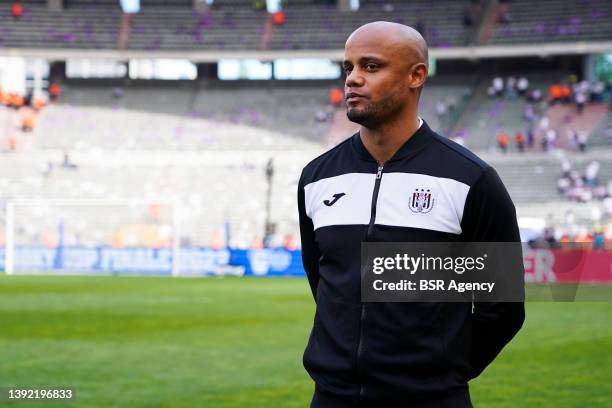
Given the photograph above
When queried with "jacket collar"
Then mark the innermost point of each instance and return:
(410, 148)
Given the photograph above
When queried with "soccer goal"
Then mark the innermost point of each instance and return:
(73, 236)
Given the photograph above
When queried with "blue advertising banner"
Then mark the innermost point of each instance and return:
(150, 261)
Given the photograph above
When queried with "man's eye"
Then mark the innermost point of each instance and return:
(347, 69)
(371, 67)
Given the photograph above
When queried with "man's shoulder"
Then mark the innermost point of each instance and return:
(461, 153)
(457, 160)
(327, 162)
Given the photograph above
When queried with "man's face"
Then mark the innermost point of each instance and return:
(376, 88)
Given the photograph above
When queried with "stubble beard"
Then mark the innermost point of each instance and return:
(374, 114)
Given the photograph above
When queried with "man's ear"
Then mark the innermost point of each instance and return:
(418, 75)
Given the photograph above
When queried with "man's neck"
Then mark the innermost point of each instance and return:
(384, 141)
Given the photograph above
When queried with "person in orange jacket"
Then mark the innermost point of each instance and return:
(17, 10)
(54, 91)
(519, 139)
(502, 140)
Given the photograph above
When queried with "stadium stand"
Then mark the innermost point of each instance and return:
(298, 109)
(229, 25)
(485, 117)
(533, 178)
(316, 26)
(538, 21)
(236, 25)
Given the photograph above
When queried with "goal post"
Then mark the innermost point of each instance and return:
(70, 236)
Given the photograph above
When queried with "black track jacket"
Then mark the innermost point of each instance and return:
(399, 350)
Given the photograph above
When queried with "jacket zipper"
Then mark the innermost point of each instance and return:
(374, 200)
(369, 236)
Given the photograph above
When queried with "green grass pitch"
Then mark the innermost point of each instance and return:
(238, 342)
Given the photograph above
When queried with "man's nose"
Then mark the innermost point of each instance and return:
(354, 79)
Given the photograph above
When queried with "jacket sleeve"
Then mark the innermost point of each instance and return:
(490, 216)
(310, 250)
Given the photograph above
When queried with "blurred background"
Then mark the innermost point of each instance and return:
(166, 137)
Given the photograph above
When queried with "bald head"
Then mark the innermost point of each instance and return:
(386, 67)
(404, 41)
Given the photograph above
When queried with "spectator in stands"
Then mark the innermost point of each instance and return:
(491, 92)
(440, 110)
(583, 239)
(590, 174)
(580, 98)
(599, 241)
(278, 18)
(572, 136)
(117, 93)
(555, 93)
(597, 91)
(519, 139)
(498, 85)
(563, 185)
(289, 242)
(566, 167)
(502, 141)
(321, 116)
(326, 115)
(511, 87)
(336, 96)
(17, 10)
(18, 102)
(54, 91)
(451, 104)
(600, 192)
(28, 99)
(28, 119)
(522, 85)
(535, 96)
(38, 104)
(529, 113)
(566, 93)
(530, 137)
(7, 99)
(608, 132)
(551, 138)
(582, 139)
(582, 86)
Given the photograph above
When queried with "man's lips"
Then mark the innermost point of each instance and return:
(353, 96)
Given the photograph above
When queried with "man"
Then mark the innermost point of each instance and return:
(396, 354)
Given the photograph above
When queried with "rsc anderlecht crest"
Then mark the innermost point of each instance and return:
(422, 201)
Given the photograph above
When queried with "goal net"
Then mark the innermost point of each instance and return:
(91, 236)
